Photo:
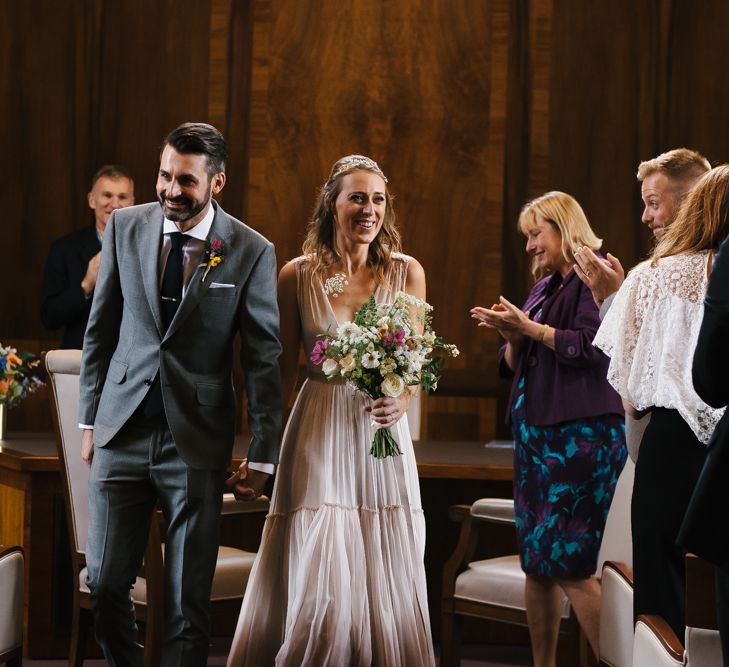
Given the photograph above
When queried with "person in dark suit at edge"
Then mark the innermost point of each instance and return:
(72, 266)
(704, 529)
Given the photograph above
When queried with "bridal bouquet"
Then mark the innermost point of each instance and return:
(381, 354)
(18, 375)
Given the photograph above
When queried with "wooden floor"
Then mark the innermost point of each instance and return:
(472, 656)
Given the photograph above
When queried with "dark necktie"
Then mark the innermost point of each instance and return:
(171, 293)
(171, 288)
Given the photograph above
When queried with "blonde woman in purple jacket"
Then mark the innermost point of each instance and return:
(567, 422)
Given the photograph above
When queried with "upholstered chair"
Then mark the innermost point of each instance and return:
(12, 573)
(493, 588)
(655, 642)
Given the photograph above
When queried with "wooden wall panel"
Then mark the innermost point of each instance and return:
(85, 83)
(420, 87)
(697, 102)
(598, 131)
(471, 107)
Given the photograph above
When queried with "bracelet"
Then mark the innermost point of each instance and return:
(545, 328)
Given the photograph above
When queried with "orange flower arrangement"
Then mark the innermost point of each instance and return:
(18, 375)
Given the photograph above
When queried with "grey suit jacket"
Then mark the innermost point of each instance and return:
(124, 348)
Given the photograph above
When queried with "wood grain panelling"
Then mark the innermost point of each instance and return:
(85, 83)
(697, 103)
(471, 107)
(601, 124)
(419, 86)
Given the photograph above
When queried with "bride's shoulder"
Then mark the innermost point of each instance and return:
(297, 264)
(292, 269)
(402, 258)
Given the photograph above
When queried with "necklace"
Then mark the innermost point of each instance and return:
(335, 285)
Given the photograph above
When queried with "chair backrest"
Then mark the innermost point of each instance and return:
(617, 541)
(12, 573)
(702, 639)
(63, 368)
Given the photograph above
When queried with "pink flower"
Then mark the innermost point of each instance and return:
(318, 354)
(399, 337)
(215, 244)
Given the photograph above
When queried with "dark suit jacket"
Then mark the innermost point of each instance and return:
(124, 348)
(705, 530)
(569, 382)
(63, 302)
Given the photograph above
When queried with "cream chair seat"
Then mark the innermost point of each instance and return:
(234, 565)
(12, 573)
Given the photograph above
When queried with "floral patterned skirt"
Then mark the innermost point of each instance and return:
(564, 480)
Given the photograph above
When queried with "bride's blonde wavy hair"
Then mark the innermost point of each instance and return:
(319, 245)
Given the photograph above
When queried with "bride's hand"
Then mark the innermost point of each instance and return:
(386, 411)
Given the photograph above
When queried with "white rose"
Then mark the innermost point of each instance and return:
(347, 363)
(393, 385)
(371, 359)
(329, 367)
(348, 330)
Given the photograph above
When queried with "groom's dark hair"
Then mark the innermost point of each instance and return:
(200, 139)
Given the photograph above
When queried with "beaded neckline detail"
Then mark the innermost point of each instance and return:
(335, 285)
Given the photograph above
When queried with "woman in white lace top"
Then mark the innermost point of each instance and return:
(650, 334)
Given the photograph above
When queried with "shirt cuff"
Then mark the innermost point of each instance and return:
(86, 427)
(268, 468)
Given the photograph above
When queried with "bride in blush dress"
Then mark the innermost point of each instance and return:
(339, 578)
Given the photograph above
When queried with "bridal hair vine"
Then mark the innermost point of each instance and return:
(352, 162)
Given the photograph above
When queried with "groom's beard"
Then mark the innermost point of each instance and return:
(181, 209)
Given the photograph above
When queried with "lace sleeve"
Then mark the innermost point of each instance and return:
(650, 334)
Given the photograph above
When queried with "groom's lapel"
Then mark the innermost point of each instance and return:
(149, 249)
(220, 229)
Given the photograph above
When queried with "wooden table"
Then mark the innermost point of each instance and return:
(32, 514)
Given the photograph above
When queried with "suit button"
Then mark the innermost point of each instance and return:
(572, 350)
(531, 361)
(147, 381)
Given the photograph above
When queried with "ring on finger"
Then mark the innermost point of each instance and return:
(587, 273)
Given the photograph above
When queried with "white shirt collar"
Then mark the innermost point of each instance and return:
(199, 231)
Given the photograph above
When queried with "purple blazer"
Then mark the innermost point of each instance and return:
(569, 382)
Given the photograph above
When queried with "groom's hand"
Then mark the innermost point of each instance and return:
(87, 445)
(247, 484)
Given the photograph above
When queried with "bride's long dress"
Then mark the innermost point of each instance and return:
(339, 578)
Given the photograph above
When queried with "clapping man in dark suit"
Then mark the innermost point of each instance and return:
(179, 279)
(69, 276)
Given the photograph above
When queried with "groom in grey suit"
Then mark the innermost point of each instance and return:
(179, 279)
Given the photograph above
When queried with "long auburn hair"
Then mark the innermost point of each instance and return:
(702, 222)
(319, 245)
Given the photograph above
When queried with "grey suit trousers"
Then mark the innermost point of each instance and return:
(137, 469)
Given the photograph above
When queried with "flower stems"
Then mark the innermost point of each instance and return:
(384, 444)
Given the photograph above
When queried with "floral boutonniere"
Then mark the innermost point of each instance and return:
(214, 255)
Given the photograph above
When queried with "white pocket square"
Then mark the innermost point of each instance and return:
(221, 285)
